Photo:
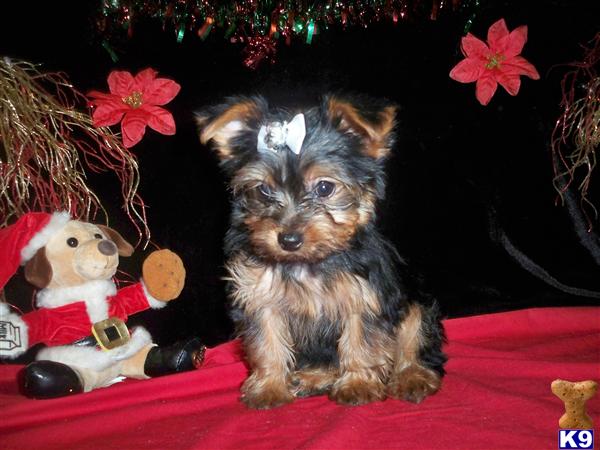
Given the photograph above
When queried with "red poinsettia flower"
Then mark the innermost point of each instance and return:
(135, 100)
(497, 62)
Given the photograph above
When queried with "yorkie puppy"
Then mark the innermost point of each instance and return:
(318, 295)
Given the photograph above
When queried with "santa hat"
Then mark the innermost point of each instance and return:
(20, 242)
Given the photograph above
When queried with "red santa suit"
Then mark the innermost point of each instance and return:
(67, 315)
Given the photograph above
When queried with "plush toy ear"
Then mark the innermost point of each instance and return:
(375, 128)
(124, 247)
(38, 270)
(223, 123)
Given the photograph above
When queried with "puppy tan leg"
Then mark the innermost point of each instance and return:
(409, 379)
(270, 357)
(363, 366)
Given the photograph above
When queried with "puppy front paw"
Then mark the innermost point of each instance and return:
(265, 393)
(315, 381)
(356, 390)
(413, 384)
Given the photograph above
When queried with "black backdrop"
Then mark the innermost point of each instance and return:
(453, 160)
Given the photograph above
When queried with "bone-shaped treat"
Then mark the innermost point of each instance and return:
(575, 395)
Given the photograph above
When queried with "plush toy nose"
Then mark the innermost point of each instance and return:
(107, 247)
(290, 241)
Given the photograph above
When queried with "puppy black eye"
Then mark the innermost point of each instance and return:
(324, 188)
(265, 190)
(98, 236)
(72, 242)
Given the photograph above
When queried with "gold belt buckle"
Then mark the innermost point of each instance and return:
(110, 333)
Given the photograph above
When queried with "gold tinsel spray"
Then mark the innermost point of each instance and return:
(576, 135)
(46, 147)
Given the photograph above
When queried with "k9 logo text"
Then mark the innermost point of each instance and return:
(576, 439)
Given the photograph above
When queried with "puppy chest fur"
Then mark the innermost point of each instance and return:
(317, 314)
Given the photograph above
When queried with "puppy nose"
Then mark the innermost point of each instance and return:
(107, 247)
(290, 241)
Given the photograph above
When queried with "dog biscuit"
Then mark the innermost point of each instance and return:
(575, 395)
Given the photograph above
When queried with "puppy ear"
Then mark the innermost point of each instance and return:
(374, 127)
(124, 247)
(38, 270)
(225, 122)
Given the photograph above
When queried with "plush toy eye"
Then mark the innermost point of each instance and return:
(98, 236)
(72, 242)
(324, 188)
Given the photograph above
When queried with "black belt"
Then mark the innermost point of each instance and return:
(88, 341)
(106, 334)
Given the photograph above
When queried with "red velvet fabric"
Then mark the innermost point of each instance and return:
(69, 323)
(14, 238)
(496, 395)
(57, 326)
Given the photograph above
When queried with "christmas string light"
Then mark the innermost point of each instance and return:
(250, 21)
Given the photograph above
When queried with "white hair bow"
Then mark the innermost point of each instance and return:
(275, 135)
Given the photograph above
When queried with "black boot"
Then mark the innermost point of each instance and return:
(48, 379)
(179, 357)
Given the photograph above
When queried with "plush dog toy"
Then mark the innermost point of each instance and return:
(81, 315)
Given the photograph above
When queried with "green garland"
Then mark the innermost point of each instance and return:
(244, 20)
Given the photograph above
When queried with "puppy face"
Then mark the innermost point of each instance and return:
(301, 207)
(78, 253)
